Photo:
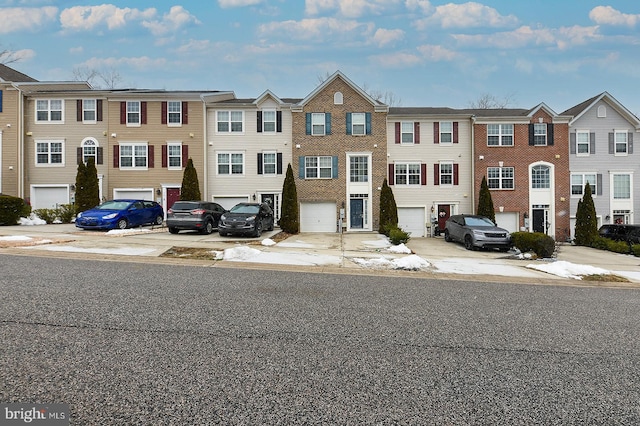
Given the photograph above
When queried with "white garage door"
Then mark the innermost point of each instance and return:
(228, 202)
(411, 220)
(508, 221)
(49, 197)
(318, 217)
(134, 194)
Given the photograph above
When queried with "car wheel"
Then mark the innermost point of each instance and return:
(468, 242)
(447, 237)
(122, 223)
(208, 227)
(270, 228)
(258, 230)
(159, 220)
(173, 230)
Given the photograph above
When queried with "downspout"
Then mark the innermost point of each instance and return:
(21, 130)
(473, 162)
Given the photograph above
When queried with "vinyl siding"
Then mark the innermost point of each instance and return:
(10, 140)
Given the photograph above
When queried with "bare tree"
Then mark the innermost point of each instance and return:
(8, 56)
(489, 101)
(106, 79)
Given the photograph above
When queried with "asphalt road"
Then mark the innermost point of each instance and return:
(142, 344)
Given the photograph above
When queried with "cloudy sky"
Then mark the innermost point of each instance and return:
(417, 52)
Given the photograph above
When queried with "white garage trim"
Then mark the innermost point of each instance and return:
(412, 220)
(134, 193)
(49, 196)
(318, 217)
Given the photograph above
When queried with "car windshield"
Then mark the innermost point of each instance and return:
(114, 205)
(245, 208)
(477, 221)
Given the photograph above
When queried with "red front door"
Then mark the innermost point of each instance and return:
(444, 211)
(173, 195)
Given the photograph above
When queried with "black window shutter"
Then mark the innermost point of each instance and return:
(259, 163)
(79, 110)
(279, 163)
(259, 122)
(531, 134)
(550, 127)
(630, 143)
(611, 143)
(592, 143)
(99, 109)
(599, 184)
(279, 121)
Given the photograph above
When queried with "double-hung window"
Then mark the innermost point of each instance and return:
(622, 187)
(358, 123)
(407, 174)
(133, 113)
(406, 132)
(318, 124)
(269, 163)
(540, 134)
(446, 132)
(580, 180)
(320, 167)
(230, 121)
(49, 110)
(500, 134)
(269, 118)
(540, 177)
(89, 111)
(230, 163)
(133, 156)
(446, 173)
(359, 169)
(582, 143)
(500, 177)
(621, 143)
(50, 153)
(174, 155)
(174, 113)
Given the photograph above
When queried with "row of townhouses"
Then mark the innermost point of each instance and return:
(341, 144)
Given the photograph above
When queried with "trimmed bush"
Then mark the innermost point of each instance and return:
(289, 214)
(48, 215)
(600, 243)
(635, 249)
(398, 236)
(12, 209)
(618, 246)
(66, 213)
(541, 244)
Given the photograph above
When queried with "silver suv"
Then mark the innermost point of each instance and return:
(476, 232)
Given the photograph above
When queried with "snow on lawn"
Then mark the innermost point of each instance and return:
(248, 254)
(568, 269)
(31, 220)
(411, 263)
(476, 267)
(16, 238)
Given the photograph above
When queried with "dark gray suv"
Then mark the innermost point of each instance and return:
(476, 232)
(202, 216)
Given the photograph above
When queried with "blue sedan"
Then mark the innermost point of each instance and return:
(121, 214)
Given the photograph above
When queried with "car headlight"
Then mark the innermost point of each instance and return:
(79, 214)
(251, 218)
(223, 217)
(110, 216)
(478, 232)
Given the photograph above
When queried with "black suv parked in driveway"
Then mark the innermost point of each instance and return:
(628, 233)
(202, 216)
(247, 219)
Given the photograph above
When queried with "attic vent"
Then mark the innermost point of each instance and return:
(338, 98)
(602, 111)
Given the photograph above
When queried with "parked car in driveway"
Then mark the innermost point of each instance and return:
(121, 214)
(246, 219)
(617, 232)
(201, 216)
(476, 232)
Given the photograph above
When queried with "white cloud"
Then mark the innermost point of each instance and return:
(607, 15)
(434, 53)
(177, 18)
(422, 5)
(467, 15)
(140, 63)
(562, 38)
(79, 18)
(22, 18)
(225, 4)
(349, 8)
(384, 37)
(396, 60)
(313, 29)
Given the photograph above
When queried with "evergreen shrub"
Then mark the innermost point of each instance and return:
(541, 244)
(12, 209)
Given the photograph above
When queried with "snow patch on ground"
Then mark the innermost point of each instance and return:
(568, 270)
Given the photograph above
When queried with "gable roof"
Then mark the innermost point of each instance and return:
(379, 106)
(10, 75)
(579, 110)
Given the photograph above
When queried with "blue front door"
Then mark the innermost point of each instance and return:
(356, 213)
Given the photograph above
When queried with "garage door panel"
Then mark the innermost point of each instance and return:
(135, 194)
(508, 221)
(412, 220)
(318, 217)
(49, 197)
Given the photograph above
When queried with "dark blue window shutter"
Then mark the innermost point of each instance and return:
(301, 167)
(611, 143)
(308, 118)
(599, 184)
(327, 123)
(0, 100)
(259, 163)
(348, 123)
(368, 122)
(572, 143)
(279, 163)
(334, 167)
